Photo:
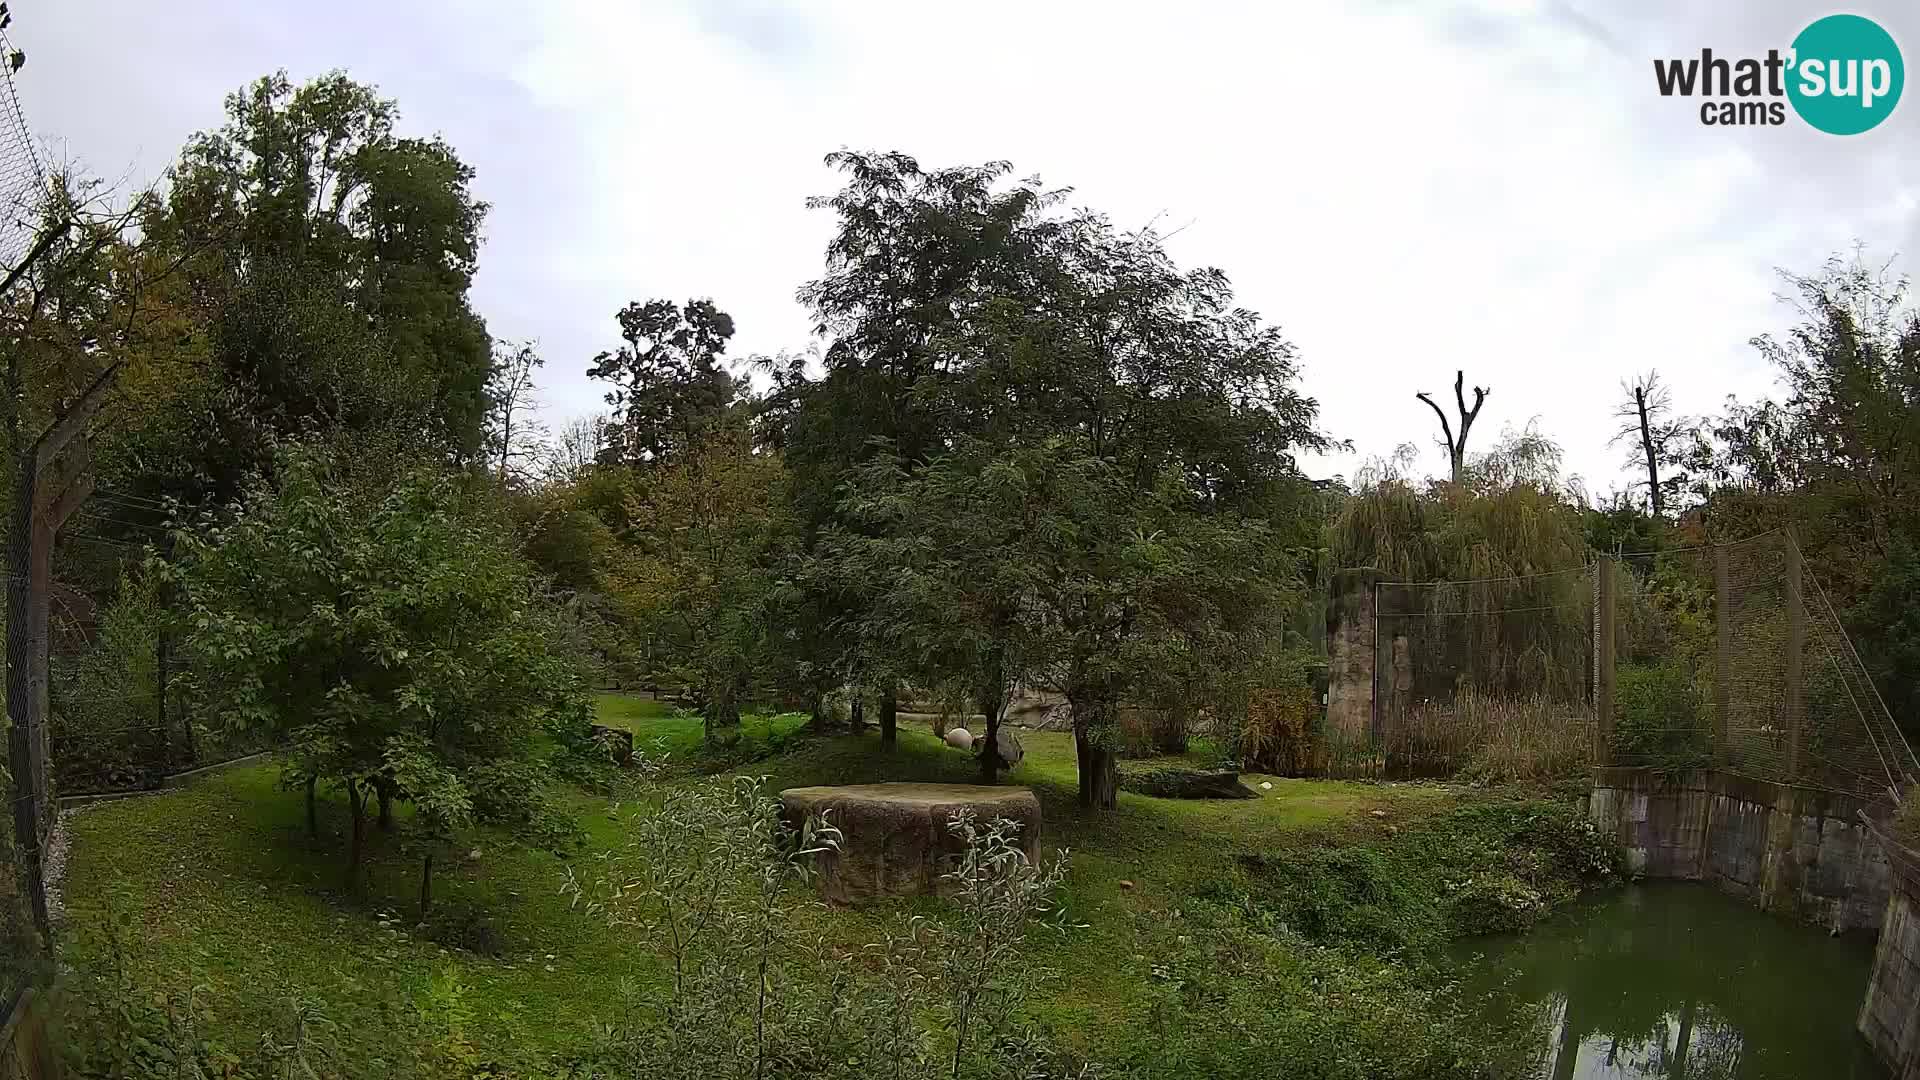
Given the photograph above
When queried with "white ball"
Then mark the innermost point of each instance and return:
(960, 738)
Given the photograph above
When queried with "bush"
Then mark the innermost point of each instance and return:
(706, 874)
(1660, 718)
(1476, 870)
(1246, 999)
(1284, 734)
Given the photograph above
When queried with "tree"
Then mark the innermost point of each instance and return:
(1658, 437)
(326, 266)
(946, 576)
(671, 387)
(961, 307)
(383, 626)
(1456, 447)
(71, 313)
(576, 448)
(514, 438)
(710, 532)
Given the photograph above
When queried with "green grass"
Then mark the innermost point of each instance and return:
(659, 727)
(224, 889)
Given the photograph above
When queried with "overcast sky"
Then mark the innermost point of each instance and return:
(1404, 188)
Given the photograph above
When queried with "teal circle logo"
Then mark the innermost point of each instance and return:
(1845, 75)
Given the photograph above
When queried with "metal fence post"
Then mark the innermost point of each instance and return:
(1795, 689)
(1722, 652)
(1603, 569)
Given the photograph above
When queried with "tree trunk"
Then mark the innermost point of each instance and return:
(889, 715)
(385, 790)
(1654, 496)
(817, 721)
(357, 837)
(1099, 767)
(722, 716)
(857, 714)
(313, 813)
(23, 728)
(426, 885)
(989, 755)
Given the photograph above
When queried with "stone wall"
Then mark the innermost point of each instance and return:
(1350, 648)
(1794, 850)
(1890, 1013)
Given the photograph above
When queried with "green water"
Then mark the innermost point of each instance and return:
(1677, 980)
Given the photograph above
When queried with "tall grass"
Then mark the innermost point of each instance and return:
(1481, 737)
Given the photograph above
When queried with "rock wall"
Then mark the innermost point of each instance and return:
(1350, 651)
(1890, 1013)
(1798, 851)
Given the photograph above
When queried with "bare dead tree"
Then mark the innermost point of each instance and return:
(1457, 447)
(516, 437)
(1648, 425)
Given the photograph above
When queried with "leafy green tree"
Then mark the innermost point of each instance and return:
(384, 626)
(711, 530)
(326, 262)
(671, 386)
(945, 575)
(964, 307)
(1834, 459)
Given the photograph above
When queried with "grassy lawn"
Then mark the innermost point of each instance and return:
(661, 727)
(222, 888)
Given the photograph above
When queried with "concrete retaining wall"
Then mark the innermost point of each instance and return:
(1890, 1013)
(1794, 850)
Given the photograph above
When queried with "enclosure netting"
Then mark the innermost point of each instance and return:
(1487, 675)
(1800, 707)
(22, 183)
(1727, 656)
(22, 180)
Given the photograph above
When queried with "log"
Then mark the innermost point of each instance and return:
(1167, 783)
(896, 838)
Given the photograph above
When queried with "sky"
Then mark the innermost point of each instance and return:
(1405, 189)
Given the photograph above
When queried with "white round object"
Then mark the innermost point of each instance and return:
(960, 738)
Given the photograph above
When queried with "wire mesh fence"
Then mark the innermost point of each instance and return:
(1731, 656)
(1727, 656)
(22, 179)
(1488, 675)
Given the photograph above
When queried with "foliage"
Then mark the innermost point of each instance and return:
(1073, 378)
(113, 1025)
(1477, 870)
(1532, 740)
(705, 872)
(1886, 623)
(325, 262)
(697, 573)
(671, 391)
(102, 712)
(385, 629)
(1660, 717)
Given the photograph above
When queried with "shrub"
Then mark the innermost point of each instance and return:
(1660, 718)
(1476, 870)
(707, 873)
(1283, 734)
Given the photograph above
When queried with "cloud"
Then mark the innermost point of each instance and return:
(1406, 189)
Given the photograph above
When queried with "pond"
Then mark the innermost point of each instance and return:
(1677, 980)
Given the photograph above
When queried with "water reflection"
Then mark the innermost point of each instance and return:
(1675, 980)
